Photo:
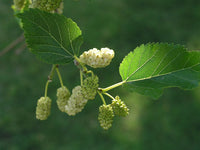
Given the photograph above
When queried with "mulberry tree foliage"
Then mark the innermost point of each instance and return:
(148, 69)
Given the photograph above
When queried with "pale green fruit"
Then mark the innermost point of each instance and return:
(89, 87)
(105, 116)
(119, 107)
(63, 95)
(76, 102)
(19, 4)
(46, 5)
(43, 108)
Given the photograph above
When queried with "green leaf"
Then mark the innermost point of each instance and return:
(152, 67)
(53, 38)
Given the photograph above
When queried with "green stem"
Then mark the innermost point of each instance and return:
(81, 77)
(102, 98)
(50, 77)
(46, 88)
(59, 76)
(104, 90)
(90, 72)
(109, 95)
(82, 65)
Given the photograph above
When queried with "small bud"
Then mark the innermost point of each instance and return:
(76, 102)
(63, 95)
(97, 58)
(89, 87)
(119, 107)
(105, 116)
(43, 108)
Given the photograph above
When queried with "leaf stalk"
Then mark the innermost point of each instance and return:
(50, 77)
(59, 76)
(104, 90)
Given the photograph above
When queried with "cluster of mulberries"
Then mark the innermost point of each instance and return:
(46, 5)
(69, 104)
(107, 112)
(97, 58)
(43, 108)
(19, 4)
(76, 102)
(63, 95)
(89, 87)
(105, 116)
(81, 94)
(119, 107)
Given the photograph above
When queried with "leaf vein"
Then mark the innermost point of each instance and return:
(142, 65)
(161, 74)
(170, 62)
(161, 61)
(61, 40)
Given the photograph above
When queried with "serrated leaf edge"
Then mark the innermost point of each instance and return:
(151, 57)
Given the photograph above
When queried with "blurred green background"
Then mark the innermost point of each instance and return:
(170, 123)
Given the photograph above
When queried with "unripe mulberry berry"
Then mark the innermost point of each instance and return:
(63, 95)
(19, 4)
(43, 108)
(119, 107)
(89, 87)
(76, 102)
(46, 5)
(97, 58)
(105, 116)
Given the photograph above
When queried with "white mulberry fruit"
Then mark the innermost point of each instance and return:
(76, 102)
(43, 108)
(97, 58)
(89, 87)
(63, 95)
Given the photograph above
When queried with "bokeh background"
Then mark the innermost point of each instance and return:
(171, 122)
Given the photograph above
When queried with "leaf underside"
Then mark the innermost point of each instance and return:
(53, 38)
(152, 67)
